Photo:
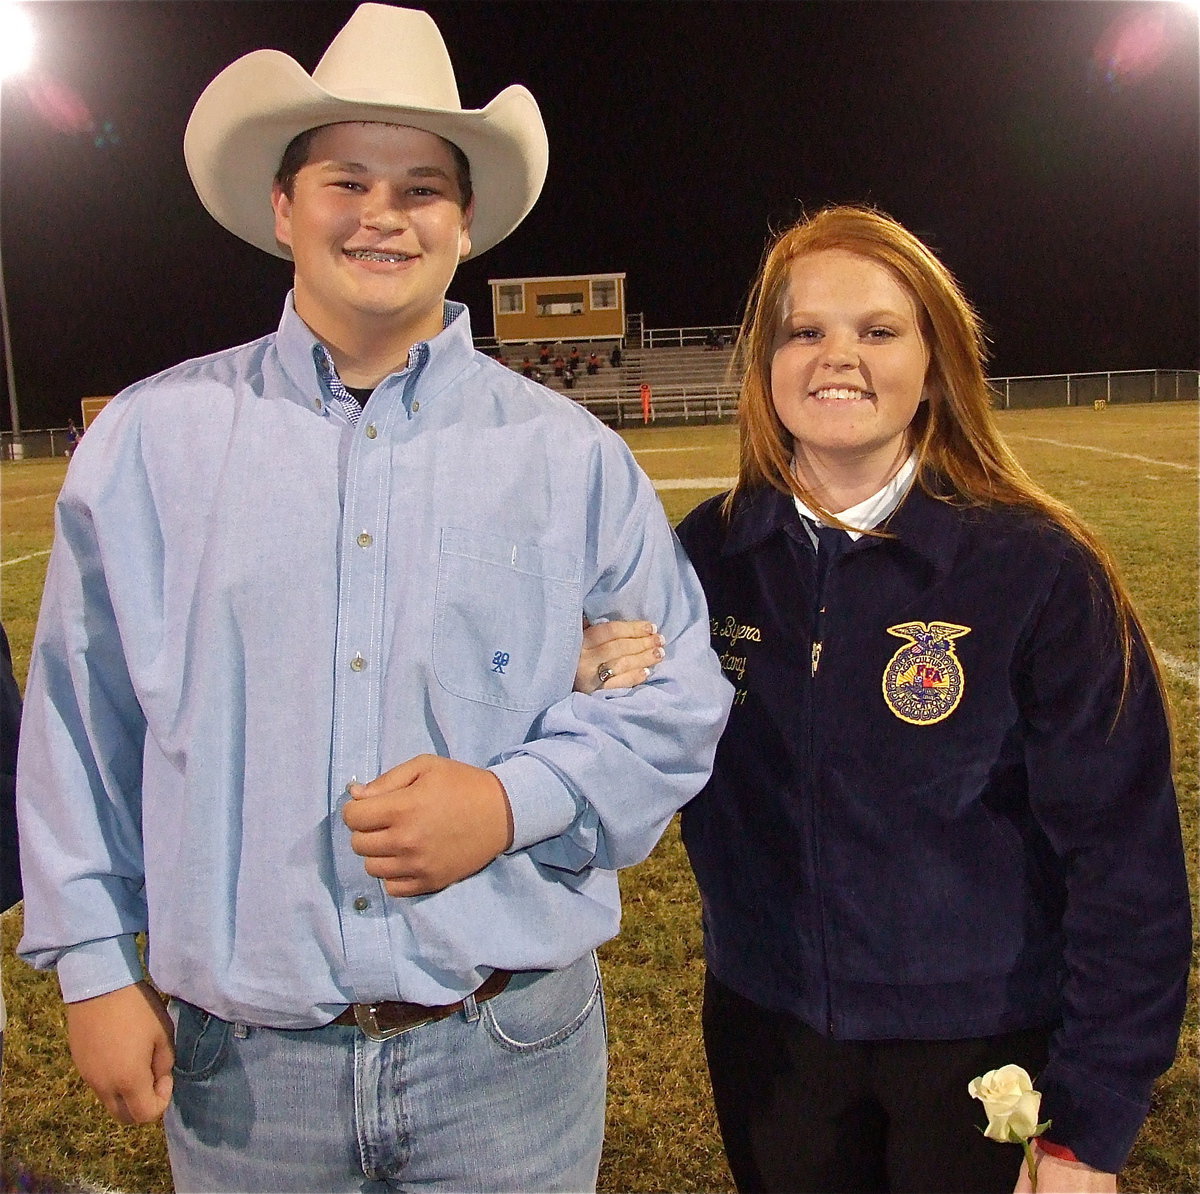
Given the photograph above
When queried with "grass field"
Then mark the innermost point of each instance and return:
(1131, 471)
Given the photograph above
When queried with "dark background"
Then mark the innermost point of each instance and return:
(1050, 152)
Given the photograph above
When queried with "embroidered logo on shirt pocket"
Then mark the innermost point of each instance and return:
(507, 623)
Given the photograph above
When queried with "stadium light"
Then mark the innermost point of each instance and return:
(17, 41)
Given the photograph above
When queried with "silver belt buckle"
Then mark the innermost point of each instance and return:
(364, 1017)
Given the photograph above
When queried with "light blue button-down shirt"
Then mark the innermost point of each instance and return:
(251, 602)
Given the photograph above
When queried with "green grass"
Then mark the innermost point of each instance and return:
(661, 1129)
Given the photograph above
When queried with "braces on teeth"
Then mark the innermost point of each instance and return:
(371, 255)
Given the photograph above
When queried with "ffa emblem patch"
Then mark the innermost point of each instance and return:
(923, 682)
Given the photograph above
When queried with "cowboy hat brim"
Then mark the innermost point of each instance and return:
(247, 116)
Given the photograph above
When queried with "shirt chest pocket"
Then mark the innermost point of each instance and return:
(508, 620)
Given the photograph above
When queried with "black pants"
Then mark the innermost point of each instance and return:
(800, 1112)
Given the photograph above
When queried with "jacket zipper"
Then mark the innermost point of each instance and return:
(818, 634)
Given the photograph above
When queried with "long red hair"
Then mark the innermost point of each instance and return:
(961, 456)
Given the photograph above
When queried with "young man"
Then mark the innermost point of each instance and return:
(306, 716)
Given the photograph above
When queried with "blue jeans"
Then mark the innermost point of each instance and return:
(511, 1098)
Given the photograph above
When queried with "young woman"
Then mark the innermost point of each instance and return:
(941, 835)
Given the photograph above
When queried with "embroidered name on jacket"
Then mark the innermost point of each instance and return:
(734, 666)
(923, 682)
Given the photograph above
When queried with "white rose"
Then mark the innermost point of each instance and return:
(1011, 1104)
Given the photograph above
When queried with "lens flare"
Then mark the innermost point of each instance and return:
(59, 105)
(1133, 45)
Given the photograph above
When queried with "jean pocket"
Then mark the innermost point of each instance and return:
(200, 1041)
(539, 1013)
(508, 620)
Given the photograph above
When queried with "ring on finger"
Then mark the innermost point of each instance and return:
(604, 673)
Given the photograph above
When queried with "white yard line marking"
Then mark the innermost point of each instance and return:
(1179, 668)
(696, 483)
(29, 497)
(1060, 443)
(694, 448)
(21, 559)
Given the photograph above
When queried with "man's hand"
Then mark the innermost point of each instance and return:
(625, 650)
(428, 823)
(1065, 1177)
(123, 1047)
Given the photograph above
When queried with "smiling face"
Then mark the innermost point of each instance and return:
(376, 226)
(848, 371)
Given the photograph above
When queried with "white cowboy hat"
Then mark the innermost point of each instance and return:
(388, 65)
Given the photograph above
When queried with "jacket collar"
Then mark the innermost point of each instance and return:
(920, 524)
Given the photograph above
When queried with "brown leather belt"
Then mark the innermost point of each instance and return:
(379, 1021)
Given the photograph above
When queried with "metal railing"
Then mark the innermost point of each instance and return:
(35, 445)
(1086, 389)
(689, 337)
(671, 404)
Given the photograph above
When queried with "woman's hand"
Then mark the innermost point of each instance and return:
(617, 655)
(1055, 1176)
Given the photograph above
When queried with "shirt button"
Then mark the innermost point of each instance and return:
(357, 663)
(317, 403)
(361, 904)
(364, 540)
(416, 407)
(371, 431)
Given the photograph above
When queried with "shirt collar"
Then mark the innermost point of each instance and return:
(308, 364)
(868, 514)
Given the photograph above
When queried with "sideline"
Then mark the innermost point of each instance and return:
(693, 448)
(1062, 443)
(29, 497)
(695, 483)
(21, 559)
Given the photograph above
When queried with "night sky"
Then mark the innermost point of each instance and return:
(1049, 151)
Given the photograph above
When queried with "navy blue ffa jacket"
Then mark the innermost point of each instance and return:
(932, 823)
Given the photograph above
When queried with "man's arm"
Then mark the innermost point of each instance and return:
(432, 821)
(122, 1044)
(79, 775)
(601, 774)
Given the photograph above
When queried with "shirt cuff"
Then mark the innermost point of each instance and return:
(1058, 1151)
(98, 967)
(542, 805)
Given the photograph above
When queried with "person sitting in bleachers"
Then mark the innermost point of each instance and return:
(593, 364)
